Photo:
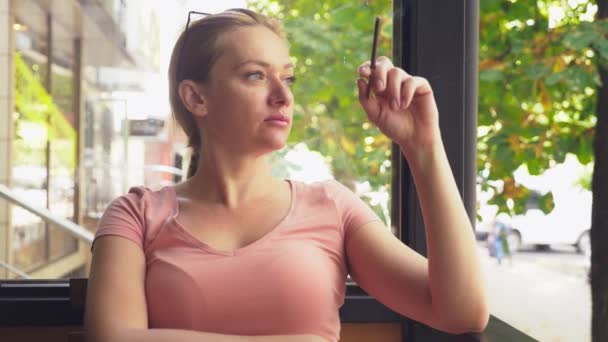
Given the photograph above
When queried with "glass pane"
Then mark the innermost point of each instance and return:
(537, 97)
(62, 157)
(44, 144)
(331, 137)
(124, 84)
(104, 154)
(29, 232)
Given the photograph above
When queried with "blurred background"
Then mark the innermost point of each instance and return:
(84, 115)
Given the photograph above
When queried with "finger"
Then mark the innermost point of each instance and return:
(384, 61)
(364, 69)
(394, 81)
(378, 77)
(413, 86)
(408, 88)
(370, 105)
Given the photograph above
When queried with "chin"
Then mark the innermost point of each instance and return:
(272, 145)
(277, 140)
(270, 141)
(279, 145)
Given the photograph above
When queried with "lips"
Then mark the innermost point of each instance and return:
(278, 117)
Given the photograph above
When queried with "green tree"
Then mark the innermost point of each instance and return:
(537, 90)
(544, 93)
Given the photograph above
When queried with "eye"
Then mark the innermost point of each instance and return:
(289, 81)
(256, 76)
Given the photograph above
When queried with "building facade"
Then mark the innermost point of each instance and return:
(68, 74)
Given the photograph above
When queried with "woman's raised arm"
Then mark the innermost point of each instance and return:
(448, 290)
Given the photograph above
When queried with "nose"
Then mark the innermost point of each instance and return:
(280, 93)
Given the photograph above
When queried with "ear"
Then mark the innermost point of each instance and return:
(192, 98)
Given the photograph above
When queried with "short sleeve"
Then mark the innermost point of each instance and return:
(352, 211)
(124, 217)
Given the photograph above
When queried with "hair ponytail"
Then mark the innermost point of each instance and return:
(193, 166)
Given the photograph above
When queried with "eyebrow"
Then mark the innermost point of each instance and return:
(261, 63)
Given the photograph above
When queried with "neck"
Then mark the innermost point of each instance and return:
(230, 179)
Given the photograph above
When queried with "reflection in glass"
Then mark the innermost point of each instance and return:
(44, 145)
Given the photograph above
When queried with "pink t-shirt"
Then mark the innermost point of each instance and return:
(291, 281)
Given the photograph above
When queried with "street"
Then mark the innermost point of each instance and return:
(542, 293)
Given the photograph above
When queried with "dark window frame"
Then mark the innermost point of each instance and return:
(436, 39)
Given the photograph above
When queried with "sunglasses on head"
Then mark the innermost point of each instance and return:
(181, 48)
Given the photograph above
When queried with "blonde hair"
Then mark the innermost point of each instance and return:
(194, 54)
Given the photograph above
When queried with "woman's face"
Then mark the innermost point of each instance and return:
(248, 97)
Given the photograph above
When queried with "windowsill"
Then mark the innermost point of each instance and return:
(61, 303)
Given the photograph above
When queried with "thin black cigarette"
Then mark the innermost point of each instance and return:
(373, 60)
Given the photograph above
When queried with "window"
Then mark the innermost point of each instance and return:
(534, 153)
(424, 47)
(43, 161)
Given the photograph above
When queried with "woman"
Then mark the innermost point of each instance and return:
(232, 254)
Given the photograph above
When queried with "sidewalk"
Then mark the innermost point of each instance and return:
(544, 302)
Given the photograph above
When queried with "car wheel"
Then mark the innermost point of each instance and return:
(514, 241)
(583, 245)
(541, 247)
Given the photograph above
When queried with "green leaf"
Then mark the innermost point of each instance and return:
(534, 167)
(601, 46)
(584, 152)
(537, 70)
(578, 40)
(546, 203)
(491, 75)
(553, 79)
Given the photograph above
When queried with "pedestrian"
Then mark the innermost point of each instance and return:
(233, 254)
(498, 241)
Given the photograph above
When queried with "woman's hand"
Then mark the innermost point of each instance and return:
(403, 107)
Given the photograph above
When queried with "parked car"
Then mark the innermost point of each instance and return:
(562, 227)
(567, 224)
